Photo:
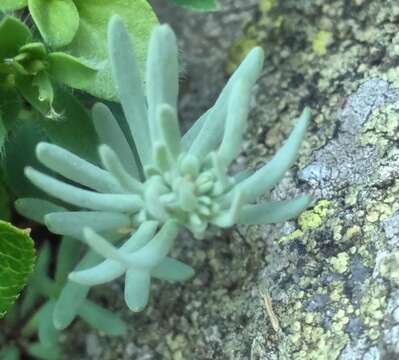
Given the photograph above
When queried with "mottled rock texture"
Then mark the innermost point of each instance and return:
(332, 275)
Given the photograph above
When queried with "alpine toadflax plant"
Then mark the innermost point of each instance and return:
(131, 208)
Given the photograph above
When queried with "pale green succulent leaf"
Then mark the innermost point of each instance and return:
(128, 81)
(266, 177)
(57, 20)
(172, 270)
(111, 134)
(137, 289)
(83, 198)
(273, 211)
(114, 166)
(17, 256)
(210, 128)
(72, 296)
(48, 334)
(40, 351)
(36, 209)
(169, 128)
(75, 168)
(162, 75)
(72, 223)
(102, 319)
(67, 257)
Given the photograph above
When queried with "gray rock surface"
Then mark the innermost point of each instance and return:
(332, 275)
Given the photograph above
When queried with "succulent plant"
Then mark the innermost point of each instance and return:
(130, 209)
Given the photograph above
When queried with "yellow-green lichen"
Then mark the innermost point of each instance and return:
(321, 41)
(372, 308)
(389, 267)
(313, 218)
(340, 263)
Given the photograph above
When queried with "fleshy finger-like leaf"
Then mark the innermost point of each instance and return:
(48, 334)
(114, 166)
(75, 168)
(236, 121)
(111, 134)
(137, 289)
(83, 198)
(102, 319)
(57, 20)
(207, 132)
(36, 209)
(162, 82)
(172, 270)
(129, 86)
(72, 296)
(266, 177)
(72, 223)
(273, 211)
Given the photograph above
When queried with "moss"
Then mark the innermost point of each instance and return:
(321, 41)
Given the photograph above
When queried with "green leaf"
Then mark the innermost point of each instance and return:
(90, 42)
(9, 353)
(19, 151)
(3, 134)
(71, 128)
(70, 71)
(57, 20)
(10, 5)
(198, 5)
(10, 106)
(46, 91)
(13, 34)
(17, 256)
(5, 212)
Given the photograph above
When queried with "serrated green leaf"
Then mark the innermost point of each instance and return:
(90, 42)
(17, 256)
(198, 5)
(57, 20)
(13, 34)
(70, 71)
(10, 5)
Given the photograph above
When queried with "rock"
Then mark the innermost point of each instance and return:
(331, 274)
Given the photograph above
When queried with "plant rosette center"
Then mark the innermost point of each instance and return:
(188, 192)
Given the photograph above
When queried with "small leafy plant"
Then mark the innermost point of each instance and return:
(134, 205)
